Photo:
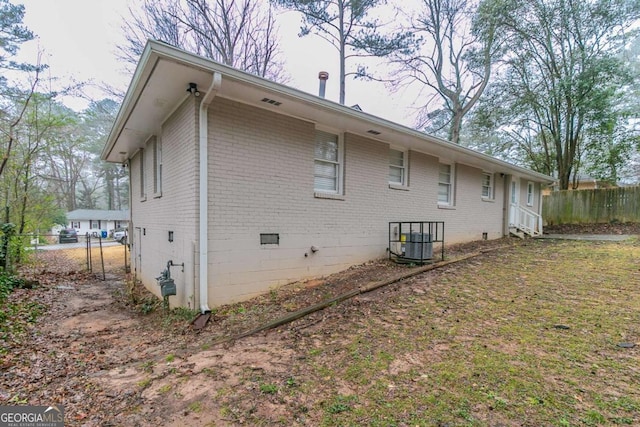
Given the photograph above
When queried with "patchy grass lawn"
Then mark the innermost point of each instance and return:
(74, 258)
(527, 336)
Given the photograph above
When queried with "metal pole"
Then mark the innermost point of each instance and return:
(89, 263)
(102, 257)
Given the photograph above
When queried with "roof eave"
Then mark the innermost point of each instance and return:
(155, 50)
(134, 90)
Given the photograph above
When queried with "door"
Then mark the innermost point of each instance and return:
(514, 201)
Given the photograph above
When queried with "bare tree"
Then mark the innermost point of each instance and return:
(239, 33)
(155, 20)
(12, 34)
(453, 64)
(10, 133)
(348, 25)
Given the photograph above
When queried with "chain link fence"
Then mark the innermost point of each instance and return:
(66, 253)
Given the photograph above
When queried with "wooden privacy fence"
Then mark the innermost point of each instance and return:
(592, 206)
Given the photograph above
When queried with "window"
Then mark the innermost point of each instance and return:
(445, 184)
(75, 224)
(156, 145)
(327, 163)
(397, 167)
(487, 185)
(143, 194)
(529, 193)
(95, 224)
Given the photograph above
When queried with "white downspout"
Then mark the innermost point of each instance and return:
(203, 228)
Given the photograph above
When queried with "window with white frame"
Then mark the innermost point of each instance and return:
(397, 167)
(445, 184)
(530, 188)
(75, 224)
(143, 194)
(95, 224)
(487, 185)
(327, 163)
(156, 145)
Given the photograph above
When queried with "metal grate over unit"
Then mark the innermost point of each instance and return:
(414, 241)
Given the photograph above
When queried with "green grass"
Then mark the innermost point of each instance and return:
(481, 346)
(268, 388)
(477, 343)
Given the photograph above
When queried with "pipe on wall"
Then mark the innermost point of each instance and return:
(203, 129)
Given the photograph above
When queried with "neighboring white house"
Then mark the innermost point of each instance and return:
(237, 177)
(93, 221)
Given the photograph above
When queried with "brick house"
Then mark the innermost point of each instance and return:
(237, 177)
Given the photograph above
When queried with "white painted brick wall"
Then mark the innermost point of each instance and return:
(261, 181)
(176, 210)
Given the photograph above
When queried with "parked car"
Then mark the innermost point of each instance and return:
(120, 234)
(68, 235)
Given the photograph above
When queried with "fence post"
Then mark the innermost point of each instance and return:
(87, 239)
(102, 257)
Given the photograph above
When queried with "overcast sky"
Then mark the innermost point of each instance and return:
(79, 40)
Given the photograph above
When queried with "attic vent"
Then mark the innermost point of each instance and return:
(373, 132)
(271, 101)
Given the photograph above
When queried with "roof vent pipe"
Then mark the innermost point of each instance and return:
(323, 76)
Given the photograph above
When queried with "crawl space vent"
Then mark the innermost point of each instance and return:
(269, 239)
(271, 101)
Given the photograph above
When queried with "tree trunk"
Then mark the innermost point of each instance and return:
(343, 53)
(108, 176)
(456, 124)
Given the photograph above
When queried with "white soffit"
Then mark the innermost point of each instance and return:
(161, 82)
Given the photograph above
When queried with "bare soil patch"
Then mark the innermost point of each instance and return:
(617, 228)
(473, 343)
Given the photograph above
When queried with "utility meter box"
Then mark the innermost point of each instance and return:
(167, 287)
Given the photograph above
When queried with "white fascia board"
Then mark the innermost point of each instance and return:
(156, 50)
(318, 102)
(141, 74)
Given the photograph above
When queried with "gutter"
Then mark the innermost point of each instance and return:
(203, 130)
(206, 64)
(156, 50)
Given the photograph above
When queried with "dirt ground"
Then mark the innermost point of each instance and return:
(110, 364)
(617, 228)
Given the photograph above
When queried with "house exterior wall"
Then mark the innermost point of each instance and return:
(173, 209)
(261, 181)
